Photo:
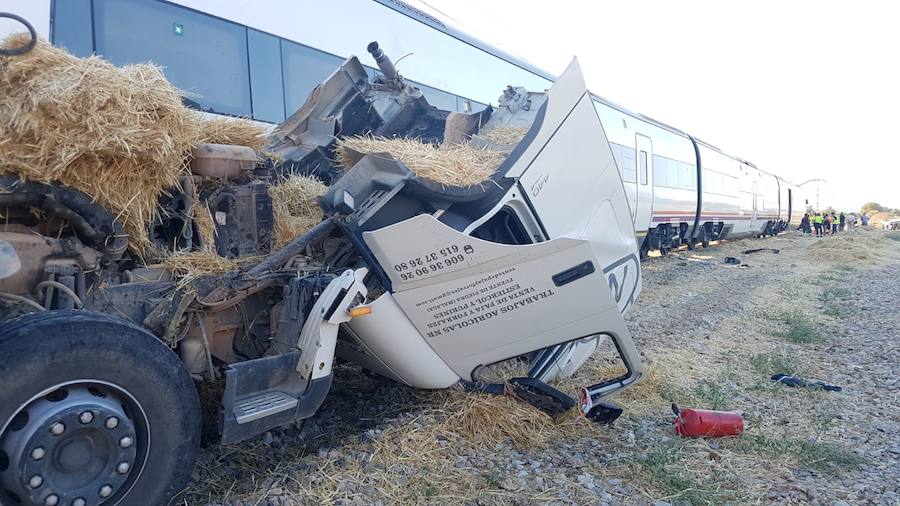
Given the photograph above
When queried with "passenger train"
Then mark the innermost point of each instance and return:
(261, 60)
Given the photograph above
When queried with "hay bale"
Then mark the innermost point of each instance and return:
(456, 165)
(119, 134)
(116, 134)
(504, 134)
(239, 132)
(295, 208)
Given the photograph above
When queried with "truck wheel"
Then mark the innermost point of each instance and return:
(93, 410)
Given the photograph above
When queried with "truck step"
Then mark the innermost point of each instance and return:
(265, 393)
(262, 405)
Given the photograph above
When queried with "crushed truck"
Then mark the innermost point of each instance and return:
(102, 351)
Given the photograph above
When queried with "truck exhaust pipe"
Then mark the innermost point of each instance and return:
(384, 63)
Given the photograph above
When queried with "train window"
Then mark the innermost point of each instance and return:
(629, 172)
(72, 26)
(304, 69)
(440, 99)
(620, 162)
(478, 106)
(643, 165)
(660, 171)
(204, 57)
(266, 85)
(687, 176)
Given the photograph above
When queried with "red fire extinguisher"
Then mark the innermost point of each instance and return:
(703, 422)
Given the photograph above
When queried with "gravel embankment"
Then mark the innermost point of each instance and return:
(710, 335)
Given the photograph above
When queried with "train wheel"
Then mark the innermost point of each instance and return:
(94, 410)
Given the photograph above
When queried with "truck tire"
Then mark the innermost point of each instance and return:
(93, 410)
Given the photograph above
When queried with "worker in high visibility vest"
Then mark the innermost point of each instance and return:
(835, 222)
(818, 221)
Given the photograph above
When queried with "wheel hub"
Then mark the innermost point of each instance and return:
(76, 445)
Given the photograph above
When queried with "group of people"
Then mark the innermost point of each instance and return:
(830, 223)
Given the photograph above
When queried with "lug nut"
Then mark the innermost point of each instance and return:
(86, 417)
(112, 422)
(125, 442)
(38, 453)
(105, 491)
(79, 502)
(51, 500)
(36, 481)
(123, 467)
(57, 428)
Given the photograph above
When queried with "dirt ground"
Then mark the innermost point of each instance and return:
(710, 334)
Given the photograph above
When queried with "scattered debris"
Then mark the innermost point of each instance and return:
(733, 260)
(796, 381)
(759, 250)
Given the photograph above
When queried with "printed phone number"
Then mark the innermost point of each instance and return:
(433, 262)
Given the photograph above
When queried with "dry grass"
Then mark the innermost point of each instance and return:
(457, 165)
(119, 134)
(295, 207)
(504, 134)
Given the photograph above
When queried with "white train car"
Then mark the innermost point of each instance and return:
(658, 165)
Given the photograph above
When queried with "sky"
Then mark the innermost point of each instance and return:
(802, 89)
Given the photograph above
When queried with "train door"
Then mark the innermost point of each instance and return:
(643, 151)
(754, 217)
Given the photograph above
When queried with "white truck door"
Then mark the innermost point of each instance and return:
(643, 149)
(477, 302)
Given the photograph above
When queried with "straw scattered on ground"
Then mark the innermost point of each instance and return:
(295, 208)
(119, 134)
(456, 165)
(852, 246)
